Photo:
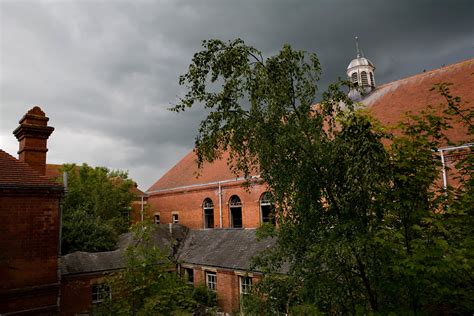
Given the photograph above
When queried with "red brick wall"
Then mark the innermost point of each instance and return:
(76, 294)
(228, 286)
(29, 233)
(136, 215)
(228, 297)
(188, 204)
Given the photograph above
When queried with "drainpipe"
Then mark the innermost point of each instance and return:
(61, 212)
(445, 178)
(220, 204)
(60, 219)
(141, 208)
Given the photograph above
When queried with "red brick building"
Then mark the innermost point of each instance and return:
(221, 214)
(29, 224)
(212, 201)
(187, 195)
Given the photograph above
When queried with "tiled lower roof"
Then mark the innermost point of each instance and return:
(16, 173)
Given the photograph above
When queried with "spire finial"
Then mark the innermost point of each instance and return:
(357, 47)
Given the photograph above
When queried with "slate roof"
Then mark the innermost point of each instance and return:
(87, 262)
(15, 173)
(95, 262)
(222, 248)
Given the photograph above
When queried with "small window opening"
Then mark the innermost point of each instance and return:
(175, 219)
(245, 285)
(100, 292)
(208, 207)
(157, 218)
(211, 280)
(189, 275)
(235, 206)
(267, 208)
(363, 78)
(372, 83)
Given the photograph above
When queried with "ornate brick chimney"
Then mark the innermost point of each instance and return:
(33, 134)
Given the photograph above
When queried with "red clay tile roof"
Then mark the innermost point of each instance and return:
(391, 101)
(16, 173)
(53, 171)
(185, 173)
(388, 103)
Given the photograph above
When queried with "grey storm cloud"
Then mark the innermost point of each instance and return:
(106, 72)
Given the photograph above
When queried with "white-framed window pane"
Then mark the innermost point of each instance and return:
(245, 284)
(157, 218)
(100, 292)
(211, 280)
(175, 219)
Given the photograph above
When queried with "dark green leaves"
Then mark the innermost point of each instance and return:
(361, 227)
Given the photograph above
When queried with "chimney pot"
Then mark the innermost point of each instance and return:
(32, 134)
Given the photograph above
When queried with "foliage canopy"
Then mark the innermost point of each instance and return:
(95, 209)
(149, 285)
(362, 226)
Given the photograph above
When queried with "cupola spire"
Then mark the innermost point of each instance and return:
(359, 55)
(361, 72)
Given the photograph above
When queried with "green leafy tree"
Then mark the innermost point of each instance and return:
(96, 208)
(148, 285)
(360, 224)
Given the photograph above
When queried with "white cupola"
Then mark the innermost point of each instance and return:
(361, 72)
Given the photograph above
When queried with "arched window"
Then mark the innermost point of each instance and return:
(354, 77)
(363, 78)
(208, 208)
(372, 83)
(267, 208)
(235, 207)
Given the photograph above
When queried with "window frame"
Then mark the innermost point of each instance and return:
(189, 277)
(99, 292)
(235, 202)
(159, 218)
(208, 207)
(266, 201)
(244, 285)
(175, 218)
(211, 284)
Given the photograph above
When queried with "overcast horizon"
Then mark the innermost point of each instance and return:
(105, 72)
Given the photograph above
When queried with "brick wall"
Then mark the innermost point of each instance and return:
(76, 293)
(29, 233)
(188, 204)
(228, 285)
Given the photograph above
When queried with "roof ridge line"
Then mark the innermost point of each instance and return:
(426, 72)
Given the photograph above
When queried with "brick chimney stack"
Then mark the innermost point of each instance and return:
(33, 133)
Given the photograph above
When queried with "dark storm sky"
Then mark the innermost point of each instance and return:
(106, 71)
